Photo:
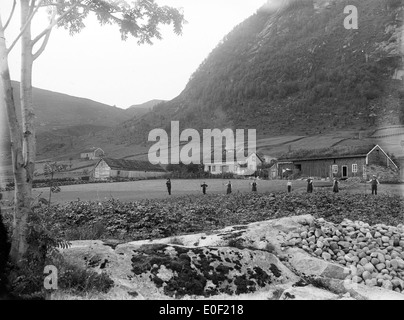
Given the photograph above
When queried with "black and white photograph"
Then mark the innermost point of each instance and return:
(201, 158)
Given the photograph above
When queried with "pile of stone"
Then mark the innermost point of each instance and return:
(374, 255)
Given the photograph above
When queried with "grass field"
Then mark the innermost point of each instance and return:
(156, 189)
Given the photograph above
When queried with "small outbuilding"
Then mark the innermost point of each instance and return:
(107, 168)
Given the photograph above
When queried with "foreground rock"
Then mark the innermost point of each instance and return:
(372, 254)
(238, 262)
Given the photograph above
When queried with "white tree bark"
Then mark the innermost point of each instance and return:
(22, 143)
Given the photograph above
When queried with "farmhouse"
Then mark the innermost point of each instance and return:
(247, 167)
(335, 162)
(92, 153)
(119, 168)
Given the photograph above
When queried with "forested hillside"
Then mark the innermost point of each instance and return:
(294, 70)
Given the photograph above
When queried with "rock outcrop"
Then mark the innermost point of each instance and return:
(260, 260)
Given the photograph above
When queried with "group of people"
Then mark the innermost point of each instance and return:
(335, 186)
(204, 186)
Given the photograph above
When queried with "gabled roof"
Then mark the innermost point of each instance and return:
(328, 153)
(131, 165)
(259, 157)
(377, 146)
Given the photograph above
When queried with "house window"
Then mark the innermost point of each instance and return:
(334, 168)
(118, 172)
(354, 168)
(213, 168)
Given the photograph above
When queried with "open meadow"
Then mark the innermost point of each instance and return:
(156, 189)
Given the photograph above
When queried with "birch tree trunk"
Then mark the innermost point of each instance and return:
(23, 173)
(21, 134)
(23, 146)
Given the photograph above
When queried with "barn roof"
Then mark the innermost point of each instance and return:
(328, 153)
(132, 165)
(260, 157)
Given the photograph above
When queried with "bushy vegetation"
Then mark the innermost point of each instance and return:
(195, 171)
(4, 254)
(395, 3)
(149, 219)
(44, 239)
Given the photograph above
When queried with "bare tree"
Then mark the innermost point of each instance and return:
(139, 20)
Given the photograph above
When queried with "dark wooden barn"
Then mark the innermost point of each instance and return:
(334, 162)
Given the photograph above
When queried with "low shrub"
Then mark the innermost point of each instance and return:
(4, 254)
(82, 281)
(95, 231)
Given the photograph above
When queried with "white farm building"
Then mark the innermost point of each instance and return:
(246, 167)
(119, 168)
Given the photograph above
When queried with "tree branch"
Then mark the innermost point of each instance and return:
(110, 14)
(53, 23)
(11, 15)
(27, 23)
(32, 6)
(43, 45)
(45, 41)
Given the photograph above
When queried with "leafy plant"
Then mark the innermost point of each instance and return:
(80, 281)
(50, 169)
(158, 218)
(44, 239)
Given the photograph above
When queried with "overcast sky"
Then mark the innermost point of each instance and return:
(96, 64)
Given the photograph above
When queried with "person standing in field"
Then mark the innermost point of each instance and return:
(289, 184)
(204, 186)
(254, 186)
(374, 182)
(335, 186)
(228, 191)
(168, 184)
(309, 185)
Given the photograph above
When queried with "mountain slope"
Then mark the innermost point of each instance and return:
(61, 119)
(138, 110)
(293, 70)
(56, 110)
